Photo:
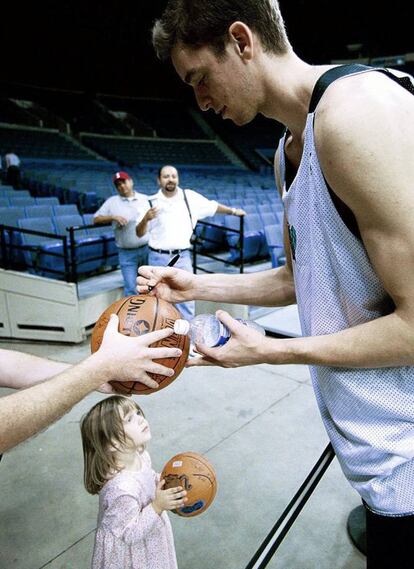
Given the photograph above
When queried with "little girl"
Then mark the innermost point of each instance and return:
(133, 527)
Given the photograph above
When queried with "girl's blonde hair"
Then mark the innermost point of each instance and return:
(102, 431)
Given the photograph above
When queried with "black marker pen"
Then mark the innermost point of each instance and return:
(170, 263)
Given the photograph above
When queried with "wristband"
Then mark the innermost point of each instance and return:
(233, 211)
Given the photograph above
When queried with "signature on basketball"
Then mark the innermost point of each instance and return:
(172, 480)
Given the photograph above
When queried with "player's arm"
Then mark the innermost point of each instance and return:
(365, 143)
(19, 370)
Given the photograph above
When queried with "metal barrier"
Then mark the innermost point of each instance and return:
(276, 535)
(197, 241)
(70, 246)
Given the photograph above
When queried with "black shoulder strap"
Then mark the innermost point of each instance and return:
(329, 77)
(189, 210)
(342, 70)
(321, 85)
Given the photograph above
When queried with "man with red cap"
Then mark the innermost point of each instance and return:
(123, 211)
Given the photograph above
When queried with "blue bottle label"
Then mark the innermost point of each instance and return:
(223, 337)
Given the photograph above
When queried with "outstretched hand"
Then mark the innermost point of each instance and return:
(246, 346)
(131, 359)
(172, 285)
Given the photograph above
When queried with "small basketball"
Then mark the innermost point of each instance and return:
(139, 315)
(195, 474)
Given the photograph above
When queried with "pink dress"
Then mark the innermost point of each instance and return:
(130, 534)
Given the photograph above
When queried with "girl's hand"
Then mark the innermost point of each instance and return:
(173, 285)
(170, 499)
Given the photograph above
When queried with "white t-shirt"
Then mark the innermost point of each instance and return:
(130, 208)
(172, 228)
(12, 159)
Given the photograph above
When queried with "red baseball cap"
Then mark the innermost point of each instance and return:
(121, 176)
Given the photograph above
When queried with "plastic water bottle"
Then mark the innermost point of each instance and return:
(208, 330)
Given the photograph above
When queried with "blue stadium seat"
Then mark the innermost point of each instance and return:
(9, 215)
(89, 250)
(268, 218)
(88, 201)
(274, 240)
(213, 238)
(252, 241)
(47, 257)
(253, 224)
(24, 201)
(4, 202)
(49, 200)
(38, 211)
(107, 234)
(65, 209)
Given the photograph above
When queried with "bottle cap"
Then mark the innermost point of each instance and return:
(181, 327)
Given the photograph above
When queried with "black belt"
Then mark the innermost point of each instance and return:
(169, 251)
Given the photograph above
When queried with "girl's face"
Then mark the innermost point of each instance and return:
(136, 427)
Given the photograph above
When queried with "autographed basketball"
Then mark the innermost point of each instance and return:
(139, 315)
(195, 474)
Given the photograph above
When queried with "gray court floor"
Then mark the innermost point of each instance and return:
(259, 427)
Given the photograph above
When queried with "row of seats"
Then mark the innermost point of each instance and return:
(225, 233)
(24, 201)
(44, 253)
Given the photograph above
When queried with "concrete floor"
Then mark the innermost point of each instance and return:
(259, 427)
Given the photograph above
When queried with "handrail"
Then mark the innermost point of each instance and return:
(239, 246)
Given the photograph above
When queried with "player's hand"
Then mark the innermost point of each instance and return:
(245, 347)
(170, 499)
(131, 359)
(173, 285)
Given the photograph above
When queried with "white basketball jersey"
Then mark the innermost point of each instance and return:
(368, 413)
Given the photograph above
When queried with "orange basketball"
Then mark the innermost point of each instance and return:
(195, 474)
(138, 315)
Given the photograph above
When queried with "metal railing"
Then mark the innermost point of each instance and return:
(198, 241)
(64, 249)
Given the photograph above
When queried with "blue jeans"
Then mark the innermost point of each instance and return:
(129, 261)
(185, 262)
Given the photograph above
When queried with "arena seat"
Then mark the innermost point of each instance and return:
(252, 241)
(9, 215)
(274, 240)
(47, 257)
(38, 211)
(65, 209)
(89, 250)
(48, 200)
(107, 234)
(22, 201)
(212, 238)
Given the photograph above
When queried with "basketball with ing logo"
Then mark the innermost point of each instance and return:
(139, 315)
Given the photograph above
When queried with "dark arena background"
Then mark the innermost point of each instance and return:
(83, 96)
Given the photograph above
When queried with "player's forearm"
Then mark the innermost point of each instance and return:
(384, 342)
(26, 412)
(266, 288)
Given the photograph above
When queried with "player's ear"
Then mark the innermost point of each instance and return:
(242, 38)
